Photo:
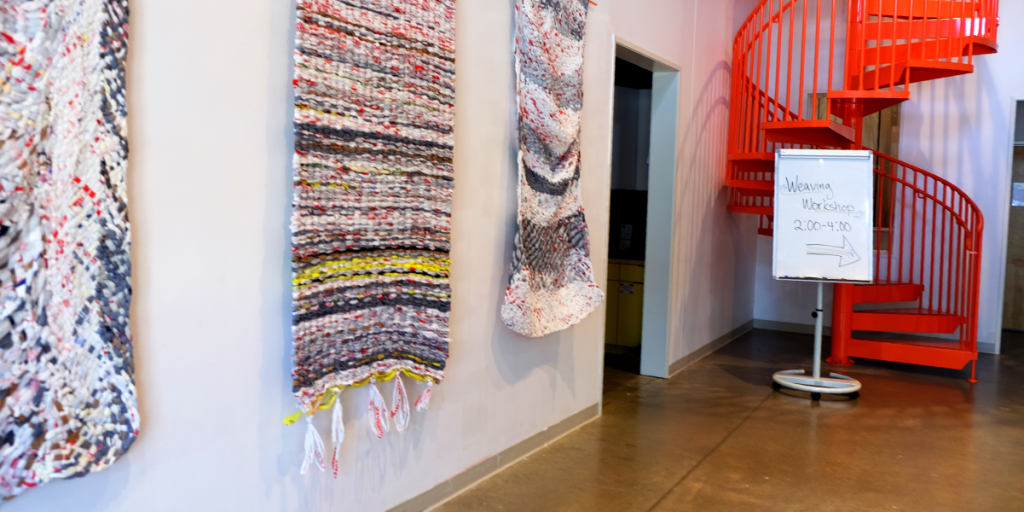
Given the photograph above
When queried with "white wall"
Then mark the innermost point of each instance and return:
(210, 107)
(713, 250)
(959, 128)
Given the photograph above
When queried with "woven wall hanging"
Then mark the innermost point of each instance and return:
(552, 284)
(374, 105)
(67, 396)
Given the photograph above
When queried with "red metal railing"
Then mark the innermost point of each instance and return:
(880, 46)
(779, 53)
(929, 232)
(789, 54)
(818, 67)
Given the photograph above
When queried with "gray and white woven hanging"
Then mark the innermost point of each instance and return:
(371, 232)
(552, 284)
(67, 395)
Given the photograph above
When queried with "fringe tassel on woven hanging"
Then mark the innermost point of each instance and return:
(400, 405)
(423, 402)
(314, 447)
(378, 411)
(337, 430)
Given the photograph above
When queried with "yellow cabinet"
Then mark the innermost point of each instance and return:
(625, 303)
(611, 318)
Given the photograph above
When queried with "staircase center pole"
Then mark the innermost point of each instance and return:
(842, 323)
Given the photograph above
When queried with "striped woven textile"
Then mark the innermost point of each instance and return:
(552, 284)
(67, 395)
(374, 104)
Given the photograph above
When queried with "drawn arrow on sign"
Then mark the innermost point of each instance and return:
(847, 256)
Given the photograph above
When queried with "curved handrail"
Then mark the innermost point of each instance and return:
(928, 232)
(938, 179)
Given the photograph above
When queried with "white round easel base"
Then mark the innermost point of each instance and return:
(815, 384)
(835, 384)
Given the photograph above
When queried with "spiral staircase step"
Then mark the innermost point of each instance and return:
(817, 132)
(756, 210)
(751, 184)
(940, 355)
(868, 101)
(948, 50)
(921, 9)
(920, 71)
(923, 29)
(877, 293)
(922, 320)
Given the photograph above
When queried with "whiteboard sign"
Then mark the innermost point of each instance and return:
(823, 215)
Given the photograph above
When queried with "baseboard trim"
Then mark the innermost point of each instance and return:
(772, 325)
(706, 350)
(475, 474)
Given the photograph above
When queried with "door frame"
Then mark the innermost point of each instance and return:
(661, 185)
(1004, 210)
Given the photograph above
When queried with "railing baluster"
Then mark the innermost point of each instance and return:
(778, 65)
(803, 55)
(877, 220)
(817, 46)
(862, 65)
(957, 248)
(966, 264)
(935, 39)
(789, 62)
(831, 60)
(948, 26)
(910, 41)
(968, 233)
(750, 92)
(733, 112)
(903, 215)
(943, 275)
(767, 65)
(757, 144)
(892, 218)
(931, 265)
(964, 24)
(951, 289)
(913, 230)
(741, 88)
(878, 47)
(892, 45)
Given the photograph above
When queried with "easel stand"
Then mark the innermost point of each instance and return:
(835, 384)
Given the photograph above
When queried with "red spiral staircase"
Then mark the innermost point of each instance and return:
(805, 74)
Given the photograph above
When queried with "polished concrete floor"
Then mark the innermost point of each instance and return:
(717, 438)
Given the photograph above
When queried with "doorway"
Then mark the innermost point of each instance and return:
(645, 118)
(1013, 287)
(627, 236)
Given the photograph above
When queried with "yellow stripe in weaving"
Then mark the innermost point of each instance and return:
(328, 268)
